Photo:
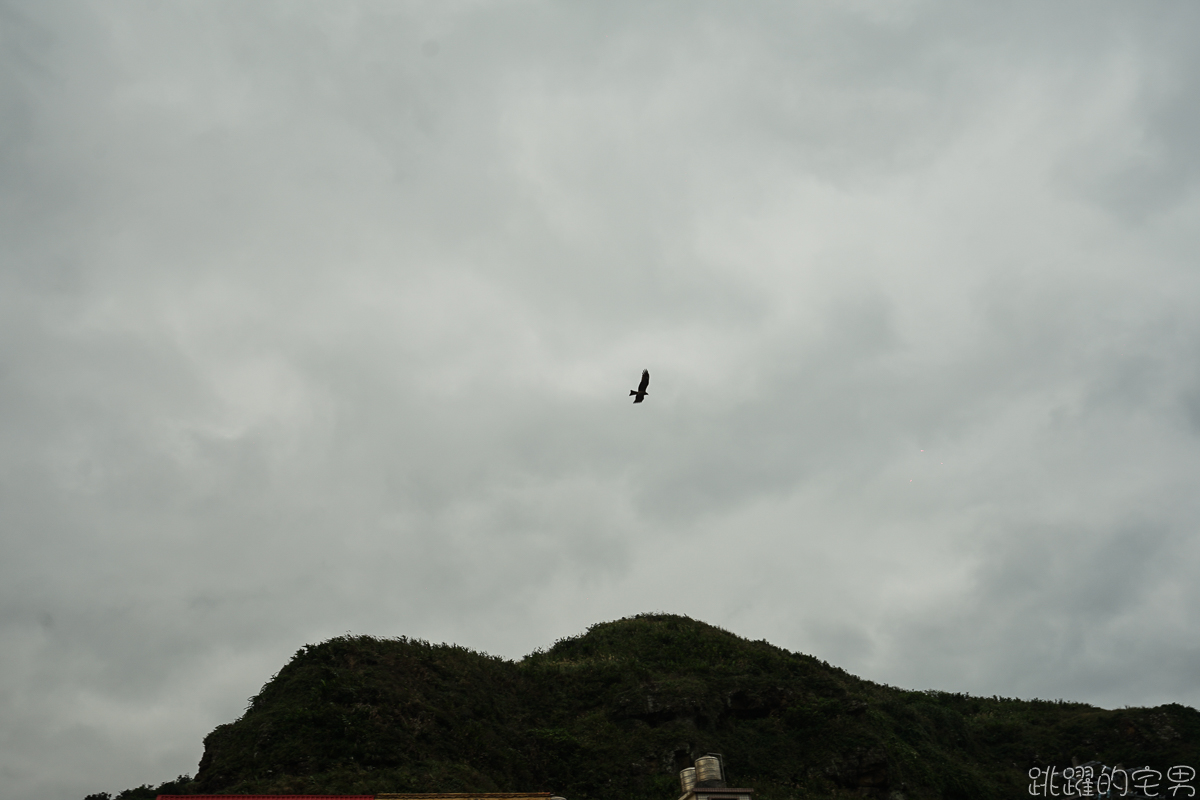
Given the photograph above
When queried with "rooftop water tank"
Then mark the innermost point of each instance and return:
(708, 773)
(687, 778)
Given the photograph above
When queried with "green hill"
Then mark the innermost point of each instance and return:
(617, 712)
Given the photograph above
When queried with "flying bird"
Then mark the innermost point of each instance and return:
(641, 392)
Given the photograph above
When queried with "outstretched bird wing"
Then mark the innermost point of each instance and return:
(645, 381)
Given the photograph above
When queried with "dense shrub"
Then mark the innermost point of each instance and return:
(616, 712)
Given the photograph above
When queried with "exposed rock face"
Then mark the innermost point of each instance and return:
(865, 771)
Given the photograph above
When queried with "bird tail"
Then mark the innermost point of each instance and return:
(632, 393)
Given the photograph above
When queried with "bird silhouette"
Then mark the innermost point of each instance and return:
(641, 392)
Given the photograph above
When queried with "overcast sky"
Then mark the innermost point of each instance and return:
(319, 318)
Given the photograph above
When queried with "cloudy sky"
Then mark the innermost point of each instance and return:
(319, 318)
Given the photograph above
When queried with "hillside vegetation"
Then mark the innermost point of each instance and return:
(615, 713)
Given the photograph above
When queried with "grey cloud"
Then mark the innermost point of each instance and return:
(304, 330)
